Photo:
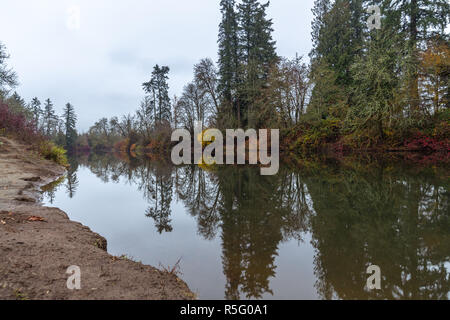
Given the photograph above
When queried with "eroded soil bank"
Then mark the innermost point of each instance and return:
(38, 244)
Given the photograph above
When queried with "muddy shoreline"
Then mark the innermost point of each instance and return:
(38, 244)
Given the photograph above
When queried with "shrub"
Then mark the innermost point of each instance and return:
(18, 126)
(442, 130)
(423, 142)
(319, 134)
(54, 153)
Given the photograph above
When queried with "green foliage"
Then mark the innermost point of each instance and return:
(36, 110)
(313, 137)
(376, 84)
(50, 119)
(326, 95)
(8, 78)
(228, 52)
(70, 120)
(246, 55)
(337, 39)
(320, 9)
(158, 89)
(50, 151)
(363, 88)
(444, 115)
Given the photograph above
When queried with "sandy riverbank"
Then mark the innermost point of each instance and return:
(35, 255)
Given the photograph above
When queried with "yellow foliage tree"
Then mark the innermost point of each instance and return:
(434, 75)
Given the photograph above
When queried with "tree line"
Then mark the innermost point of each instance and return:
(41, 117)
(60, 129)
(368, 85)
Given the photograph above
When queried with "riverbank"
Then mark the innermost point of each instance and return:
(38, 244)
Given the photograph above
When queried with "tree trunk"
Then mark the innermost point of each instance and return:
(414, 76)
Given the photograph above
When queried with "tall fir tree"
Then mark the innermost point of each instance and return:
(18, 104)
(338, 42)
(49, 119)
(228, 49)
(320, 9)
(17, 99)
(70, 121)
(228, 63)
(35, 107)
(246, 54)
(257, 53)
(158, 88)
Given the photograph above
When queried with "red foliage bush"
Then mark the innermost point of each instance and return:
(425, 143)
(18, 126)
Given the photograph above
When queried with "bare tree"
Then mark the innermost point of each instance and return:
(145, 117)
(205, 74)
(296, 76)
(192, 106)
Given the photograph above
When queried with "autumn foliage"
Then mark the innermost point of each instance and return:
(18, 126)
(421, 142)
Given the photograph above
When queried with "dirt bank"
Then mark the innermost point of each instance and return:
(35, 255)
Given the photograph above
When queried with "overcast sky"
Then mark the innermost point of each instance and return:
(100, 66)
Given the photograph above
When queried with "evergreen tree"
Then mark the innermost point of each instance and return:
(72, 178)
(70, 121)
(255, 34)
(246, 55)
(320, 9)
(18, 105)
(228, 48)
(35, 107)
(338, 42)
(257, 55)
(49, 119)
(327, 96)
(17, 99)
(161, 198)
(228, 58)
(158, 88)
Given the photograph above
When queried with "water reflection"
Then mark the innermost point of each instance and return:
(389, 215)
(395, 218)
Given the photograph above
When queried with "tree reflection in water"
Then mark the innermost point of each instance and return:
(392, 216)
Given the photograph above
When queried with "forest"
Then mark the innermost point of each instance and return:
(365, 96)
(360, 88)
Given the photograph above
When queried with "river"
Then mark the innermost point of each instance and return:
(310, 232)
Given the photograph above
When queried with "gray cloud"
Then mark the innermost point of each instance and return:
(100, 67)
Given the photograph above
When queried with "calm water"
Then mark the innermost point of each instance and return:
(305, 233)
